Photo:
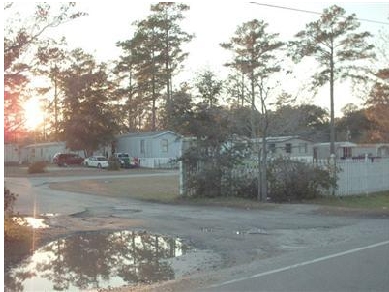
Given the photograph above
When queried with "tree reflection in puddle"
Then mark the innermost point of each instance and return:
(97, 260)
(31, 221)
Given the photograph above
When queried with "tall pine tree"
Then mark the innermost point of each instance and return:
(333, 41)
(87, 120)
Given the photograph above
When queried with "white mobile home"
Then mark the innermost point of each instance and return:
(343, 150)
(288, 146)
(41, 151)
(372, 150)
(11, 153)
(45, 151)
(153, 149)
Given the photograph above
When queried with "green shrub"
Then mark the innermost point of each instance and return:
(245, 187)
(209, 168)
(294, 180)
(12, 231)
(37, 167)
(17, 238)
(9, 201)
(206, 182)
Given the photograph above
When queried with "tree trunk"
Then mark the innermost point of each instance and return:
(253, 126)
(263, 193)
(263, 170)
(55, 104)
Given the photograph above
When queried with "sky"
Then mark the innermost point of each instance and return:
(214, 22)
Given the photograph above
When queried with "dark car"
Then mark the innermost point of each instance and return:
(65, 159)
(126, 161)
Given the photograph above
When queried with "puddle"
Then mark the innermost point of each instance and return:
(94, 260)
(32, 222)
(207, 229)
(251, 231)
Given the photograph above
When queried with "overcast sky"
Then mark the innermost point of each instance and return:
(212, 22)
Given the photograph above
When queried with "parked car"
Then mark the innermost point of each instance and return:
(126, 161)
(65, 159)
(96, 161)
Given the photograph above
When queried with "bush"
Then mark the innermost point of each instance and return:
(37, 167)
(13, 231)
(294, 180)
(17, 238)
(245, 187)
(113, 163)
(206, 182)
(9, 201)
(209, 168)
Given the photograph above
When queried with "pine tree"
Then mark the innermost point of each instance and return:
(336, 46)
(150, 59)
(88, 122)
(254, 56)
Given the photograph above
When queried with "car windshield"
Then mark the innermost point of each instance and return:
(123, 156)
(101, 158)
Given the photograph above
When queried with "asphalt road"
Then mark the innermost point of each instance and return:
(286, 248)
(365, 268)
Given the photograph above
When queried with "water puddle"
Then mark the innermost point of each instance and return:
(251, 231)
(94, 260)
(32, 222)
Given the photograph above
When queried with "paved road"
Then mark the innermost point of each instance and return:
(365, 268)
(286, 248)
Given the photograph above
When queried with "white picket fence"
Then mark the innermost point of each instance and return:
(168, 163)
(362, 177)
(355, 177)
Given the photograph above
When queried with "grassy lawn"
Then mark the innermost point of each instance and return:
(161, 189)
(372, 201)
(164, 189)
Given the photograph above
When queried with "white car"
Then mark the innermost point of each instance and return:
(96, 161)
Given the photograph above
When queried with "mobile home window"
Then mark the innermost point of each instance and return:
(142, 146)
(288, 148)
(164, 145)
(347, 152)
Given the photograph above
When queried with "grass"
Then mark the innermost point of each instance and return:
(372, 201)
(163, 189)
(18, 241)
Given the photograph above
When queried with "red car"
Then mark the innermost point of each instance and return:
(65, 159)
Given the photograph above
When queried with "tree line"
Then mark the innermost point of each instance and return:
(91, 102)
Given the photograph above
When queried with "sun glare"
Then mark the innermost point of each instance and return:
(33, 114)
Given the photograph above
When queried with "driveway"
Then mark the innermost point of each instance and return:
(232, 244)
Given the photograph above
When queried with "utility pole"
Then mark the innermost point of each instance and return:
(332, 122)
(55, 102)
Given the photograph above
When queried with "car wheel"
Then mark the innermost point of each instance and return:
(86, 164)
(99, 165)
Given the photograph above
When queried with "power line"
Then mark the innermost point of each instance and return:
(313, 12)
